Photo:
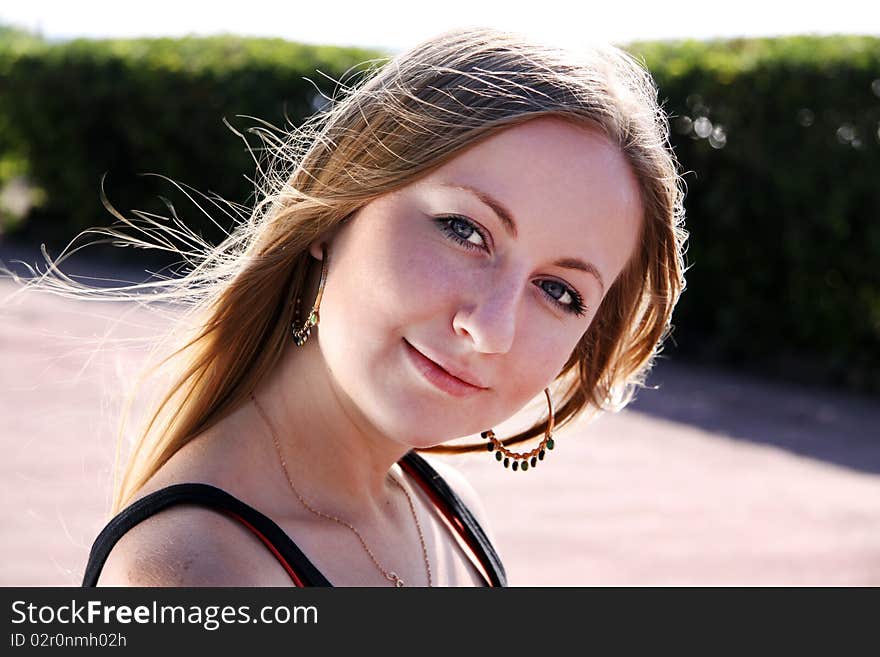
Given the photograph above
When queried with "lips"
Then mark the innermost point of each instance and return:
(452, 380)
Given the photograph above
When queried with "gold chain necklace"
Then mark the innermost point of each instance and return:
(391, 576)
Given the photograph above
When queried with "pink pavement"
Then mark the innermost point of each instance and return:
(713, 479)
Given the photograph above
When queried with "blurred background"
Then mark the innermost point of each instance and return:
(754, 456)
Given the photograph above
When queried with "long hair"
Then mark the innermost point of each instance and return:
(398, 122)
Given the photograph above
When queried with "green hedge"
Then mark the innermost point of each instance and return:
(783, 202)
(778, 139)
(77, 110)
(13, 162)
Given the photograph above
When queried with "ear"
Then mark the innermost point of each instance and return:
(327, 238)
(315, 250)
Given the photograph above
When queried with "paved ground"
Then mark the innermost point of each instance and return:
(713, 478)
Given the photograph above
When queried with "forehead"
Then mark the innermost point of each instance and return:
(554, 175)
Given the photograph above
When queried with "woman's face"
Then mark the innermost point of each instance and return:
(492, 266)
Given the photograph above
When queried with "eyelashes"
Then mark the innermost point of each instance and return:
(448, 224)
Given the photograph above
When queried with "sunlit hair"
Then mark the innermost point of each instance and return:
(396, 123)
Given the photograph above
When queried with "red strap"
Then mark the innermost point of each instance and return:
(290, 571)
(453, 520)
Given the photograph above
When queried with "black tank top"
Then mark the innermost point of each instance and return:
(301, 571)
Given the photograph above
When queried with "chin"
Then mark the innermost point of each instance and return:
(420, 426)
(423, 443)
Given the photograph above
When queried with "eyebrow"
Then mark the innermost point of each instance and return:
(506, 218)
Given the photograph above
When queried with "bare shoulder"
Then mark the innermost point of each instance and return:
(461, 487)
(188, 545)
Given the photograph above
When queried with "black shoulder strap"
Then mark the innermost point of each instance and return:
(275, 537)
(469, 527)
(203, 495)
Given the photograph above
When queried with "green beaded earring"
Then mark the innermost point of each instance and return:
(301, 334)
(523, 460)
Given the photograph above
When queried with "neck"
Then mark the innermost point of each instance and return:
(335, 458)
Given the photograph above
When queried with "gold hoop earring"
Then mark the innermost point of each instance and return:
(523, 460)
(301, 333)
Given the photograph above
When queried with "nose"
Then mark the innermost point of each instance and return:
(489, 318)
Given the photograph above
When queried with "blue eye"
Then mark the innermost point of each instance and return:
(557, 291)
(459, 229)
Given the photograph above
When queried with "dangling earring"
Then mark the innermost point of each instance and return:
(525, 459)
(301, 334)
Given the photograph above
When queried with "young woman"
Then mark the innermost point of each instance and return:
(483, 221)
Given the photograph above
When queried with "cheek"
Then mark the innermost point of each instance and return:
(389, 276)
(413, 281)
(539, 355)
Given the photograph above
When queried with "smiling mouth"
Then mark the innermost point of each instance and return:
(439, 377)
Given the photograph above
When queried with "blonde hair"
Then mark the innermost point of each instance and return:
(400, 121)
